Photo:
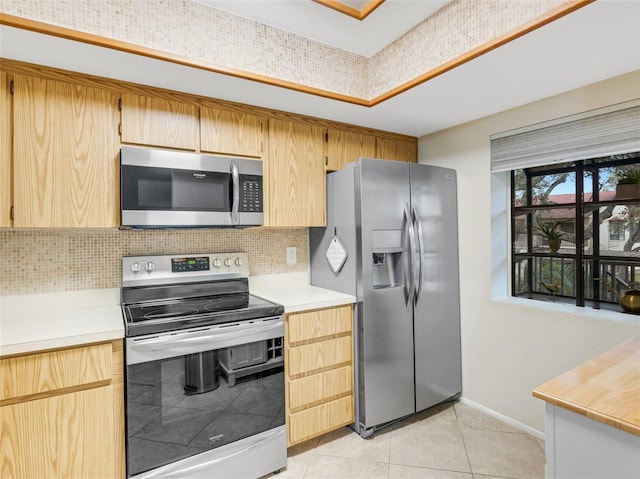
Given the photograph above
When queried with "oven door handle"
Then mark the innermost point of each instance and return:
(202, 339)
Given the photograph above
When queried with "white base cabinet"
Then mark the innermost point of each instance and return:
(578, 447)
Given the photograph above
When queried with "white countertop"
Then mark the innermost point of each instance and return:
(71, 318)
(294, 292)
(56, 320)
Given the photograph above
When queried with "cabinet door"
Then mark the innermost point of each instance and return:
(294, 170)
(5, 151)
(71, 435)
(65, 155)
(319, 420)
(344, 147)
(157, 122)
(400, 150)
(230, 132)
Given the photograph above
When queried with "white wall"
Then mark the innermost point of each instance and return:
(509, 345)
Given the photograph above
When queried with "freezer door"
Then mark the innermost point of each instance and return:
(385, 324)
(437, 307)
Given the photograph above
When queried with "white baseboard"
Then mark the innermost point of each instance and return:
(503, 418)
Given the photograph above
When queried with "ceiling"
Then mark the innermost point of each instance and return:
(594, 43)
(314, 21)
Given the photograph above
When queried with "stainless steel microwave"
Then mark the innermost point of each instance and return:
(170, 189)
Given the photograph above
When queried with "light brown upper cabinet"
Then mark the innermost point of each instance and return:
(400, 150)
(344, 147)
(5, 151)
(65, 149)
(157, 122)
(294, 175)
(231, 132)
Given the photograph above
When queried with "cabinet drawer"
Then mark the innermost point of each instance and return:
(310, 357)
(315, 388)
(318, 324)
(39, 373)
(319, 420)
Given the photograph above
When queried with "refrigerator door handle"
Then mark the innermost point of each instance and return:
(409, 232)
(418, 258)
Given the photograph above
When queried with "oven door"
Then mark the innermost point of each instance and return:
(207, 402)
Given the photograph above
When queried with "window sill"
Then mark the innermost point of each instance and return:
(564, 308)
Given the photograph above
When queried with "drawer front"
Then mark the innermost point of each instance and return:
(318, 324)
(319, 420)
(318, 387)
(44, 372)
(314, 356)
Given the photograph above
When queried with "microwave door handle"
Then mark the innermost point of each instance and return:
(235, 180)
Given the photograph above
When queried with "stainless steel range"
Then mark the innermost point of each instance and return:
(204, 375)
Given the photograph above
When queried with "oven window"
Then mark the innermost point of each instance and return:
(154, 193)
(181, 406)
(200, 191)
(146, 188)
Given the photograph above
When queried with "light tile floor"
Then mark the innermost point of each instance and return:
(450, 441)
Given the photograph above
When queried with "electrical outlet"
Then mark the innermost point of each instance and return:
(291, 255)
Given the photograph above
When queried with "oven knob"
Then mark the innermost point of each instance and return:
(217, 263)
(238, 262)
(149, 267)
(135, 267)
(228, 262)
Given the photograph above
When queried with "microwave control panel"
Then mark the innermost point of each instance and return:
(250, 194)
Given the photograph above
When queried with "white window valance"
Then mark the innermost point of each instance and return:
(606, 131)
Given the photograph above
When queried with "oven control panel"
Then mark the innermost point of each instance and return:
(189, 264)
(145, 270)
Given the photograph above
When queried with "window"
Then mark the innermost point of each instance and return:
(616, 229)
(575, 231)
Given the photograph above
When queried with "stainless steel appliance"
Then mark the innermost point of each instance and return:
(169, 189)
(187, 415)
(391, 240)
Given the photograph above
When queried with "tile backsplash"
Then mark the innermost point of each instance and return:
(43, 261)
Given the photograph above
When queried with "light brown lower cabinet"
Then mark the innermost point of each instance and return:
(319, 372)
(62, 413)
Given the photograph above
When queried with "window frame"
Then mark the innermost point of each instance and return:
(581, 284)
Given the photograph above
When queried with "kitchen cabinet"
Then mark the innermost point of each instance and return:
(319, 372)
(397, 149)
(592, 420)
(62, 413)
(154, 121)
(294, 193)
(231, 132)
(578, 446)
(5, 151)
(344, 147)
(65, 154)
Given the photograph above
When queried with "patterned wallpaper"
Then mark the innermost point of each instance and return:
(187, 28)
(42, 261)
(455, 29)
(203, 33)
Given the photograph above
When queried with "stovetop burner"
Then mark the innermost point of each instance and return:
(167, 311)
(175, 293)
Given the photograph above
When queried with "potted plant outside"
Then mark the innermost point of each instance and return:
(628, 186)
(552, 233)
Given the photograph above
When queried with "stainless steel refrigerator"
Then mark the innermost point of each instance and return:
(391, 240)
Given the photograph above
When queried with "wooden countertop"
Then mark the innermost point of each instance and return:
(606, 388)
